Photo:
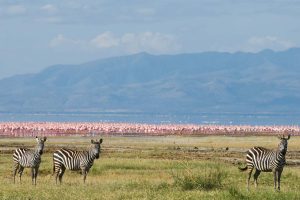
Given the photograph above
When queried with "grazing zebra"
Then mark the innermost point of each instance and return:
(265, 160)
(26, 158)
(75, 160)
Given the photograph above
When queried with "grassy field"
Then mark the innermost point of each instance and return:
(153, 168)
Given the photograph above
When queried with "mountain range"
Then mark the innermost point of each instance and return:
(266, 81)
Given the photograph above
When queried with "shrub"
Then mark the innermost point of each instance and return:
(208, 179)
(236, 194)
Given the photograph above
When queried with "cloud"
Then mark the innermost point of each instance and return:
(149, 41)
(49, 8)
(268, 42)
(153, 42)
(16, 10)
(61, 40)
(105, 40)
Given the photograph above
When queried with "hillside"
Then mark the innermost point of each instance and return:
(266, 81)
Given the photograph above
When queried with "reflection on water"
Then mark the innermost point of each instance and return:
(201, 118)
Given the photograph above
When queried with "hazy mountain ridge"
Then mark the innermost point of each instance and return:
(266, 81)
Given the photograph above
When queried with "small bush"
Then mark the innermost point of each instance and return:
(206, 180)
(235, 194)
(162, 186)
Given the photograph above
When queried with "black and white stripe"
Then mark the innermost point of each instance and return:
(265, 160)
(75, 160)
(26, 158)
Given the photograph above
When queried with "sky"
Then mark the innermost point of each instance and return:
(35, 34)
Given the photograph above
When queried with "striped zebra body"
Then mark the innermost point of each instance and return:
(26, 158)
(75, 160)
(265, 160)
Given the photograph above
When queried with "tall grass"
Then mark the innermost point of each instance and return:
(208, 177)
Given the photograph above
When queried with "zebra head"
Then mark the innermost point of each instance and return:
(40, 144)
(282, 147)
(96, 147)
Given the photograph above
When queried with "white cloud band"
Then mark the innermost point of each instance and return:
(153, 42)
(268, 42)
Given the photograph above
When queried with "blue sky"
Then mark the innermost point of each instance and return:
(35, 34)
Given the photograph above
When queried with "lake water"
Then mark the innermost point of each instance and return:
(201, 118)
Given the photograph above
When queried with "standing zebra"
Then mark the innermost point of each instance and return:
(75, 160)
(26, 158)
(265, 160)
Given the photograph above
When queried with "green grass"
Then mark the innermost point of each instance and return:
(150, 168)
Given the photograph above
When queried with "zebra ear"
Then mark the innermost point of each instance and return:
(101, 140)
(45, 138)
(92, 141)
(289, 136)
(37, 138)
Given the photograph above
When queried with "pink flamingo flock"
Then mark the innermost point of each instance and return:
(28, 129)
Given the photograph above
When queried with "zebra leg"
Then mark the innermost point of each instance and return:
(278, 178)
(36, 170)
(275, 172)
(256, 174)
(84, 173)
(56, 176)
(20, 172)
(250, 169)
(61, 173)
(56, 171)
(15, 169)
(32, 175)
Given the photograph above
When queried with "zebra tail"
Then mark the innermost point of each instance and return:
(243, 168)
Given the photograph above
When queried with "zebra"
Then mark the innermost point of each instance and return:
(75, 160)
(26, 158)
(265, 160)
